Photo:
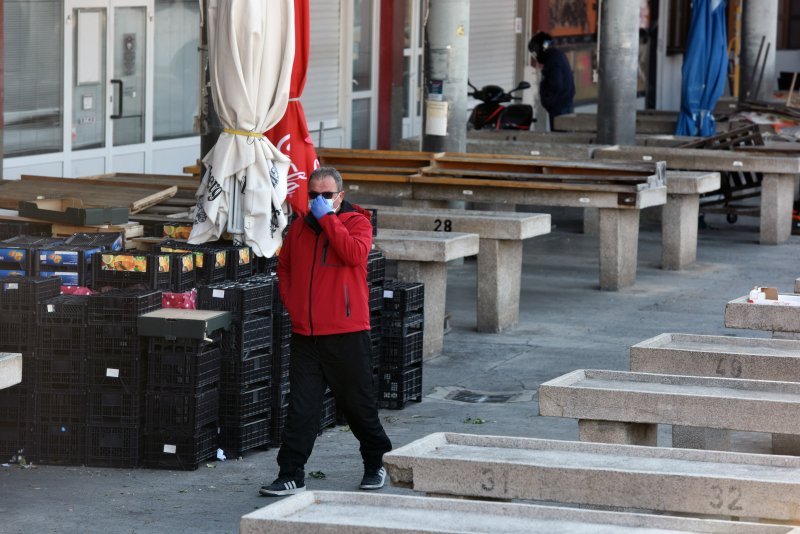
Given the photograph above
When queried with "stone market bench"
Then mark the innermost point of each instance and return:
(777, 185)
(10, 369)
(422, 257)
(716, 356)
(366, 513)
(499, 257)
(599, 474)
(625, 407)
(781, 317)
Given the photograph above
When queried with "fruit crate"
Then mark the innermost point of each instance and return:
(126, 269)
(23, 293)
(403, 296)
(177, 410)
(32, 241)
(398, 387)
(376, 266)
(17, 332)
(64, 310)
(328, 414)
(114, 405)
(16, 261)
(72, 264)
(113, 341)
(9, 229)
(111, 241)
(59, 443)
(375, 297)
(172, 230)
(175, 450)
(60, 405)
(251, 332)
(109, 445)
(240, 264)
(400, 324)
(242, 402)
(402, 351)
(182, 363)
(238, 298)
(253, 366)
(121, 307)
(245, 435)
(182, 266)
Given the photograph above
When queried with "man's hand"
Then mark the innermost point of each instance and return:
(320, 207)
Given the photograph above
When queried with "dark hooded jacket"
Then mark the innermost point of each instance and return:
(557, 89)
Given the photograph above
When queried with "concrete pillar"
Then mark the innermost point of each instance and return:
(759, 20)
(618, 69)
(499, 274)
(591, 221)
(777, 195)
(618, 432)
(444, 115)
(690, 437)
(679, 231)
(619, 247)
(434, 276)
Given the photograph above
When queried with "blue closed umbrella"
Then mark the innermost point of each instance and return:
(705, 67)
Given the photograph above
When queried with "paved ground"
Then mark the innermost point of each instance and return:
(566, 323)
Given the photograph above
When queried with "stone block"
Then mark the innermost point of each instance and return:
(10, 369)
(782, 315)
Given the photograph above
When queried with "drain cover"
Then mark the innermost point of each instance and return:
(465, 395)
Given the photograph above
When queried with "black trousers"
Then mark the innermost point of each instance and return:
(344, 362)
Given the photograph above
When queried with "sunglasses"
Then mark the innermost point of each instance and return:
(327, 194)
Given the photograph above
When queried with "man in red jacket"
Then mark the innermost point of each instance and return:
(322, 278)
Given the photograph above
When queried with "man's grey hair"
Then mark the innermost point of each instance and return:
(324, 172)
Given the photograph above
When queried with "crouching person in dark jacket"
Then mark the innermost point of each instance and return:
(322, 278)
(557, 88)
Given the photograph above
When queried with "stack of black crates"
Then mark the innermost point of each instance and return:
(281, 343)
(376, 273)
(245, 388)
(401, 360)
(116, 376)
(20, 298)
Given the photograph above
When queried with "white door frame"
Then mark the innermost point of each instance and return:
(109, 151)
(348, 93)
(412, 125)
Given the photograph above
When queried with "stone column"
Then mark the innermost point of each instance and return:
(499, 273)
(759, 20)
(679, 231)
(618, 38)
(691, 437)
(619, 247)
(618, 432)
(777, 195)
(434, 276)
(445, 87)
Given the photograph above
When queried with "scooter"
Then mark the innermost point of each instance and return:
(492, 114)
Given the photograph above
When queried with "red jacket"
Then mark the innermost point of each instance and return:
(322, 272)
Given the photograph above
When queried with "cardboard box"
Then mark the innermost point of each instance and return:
(173, 323)
(71, 211)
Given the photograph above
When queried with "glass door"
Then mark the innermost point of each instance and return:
(106, 83)
(363, 130)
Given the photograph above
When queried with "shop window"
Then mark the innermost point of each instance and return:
(789, 25)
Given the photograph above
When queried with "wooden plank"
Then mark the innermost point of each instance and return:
(92, 193)
(132, 229)
(501, 175)
(506, 160)
(511, 184)
(372, 177)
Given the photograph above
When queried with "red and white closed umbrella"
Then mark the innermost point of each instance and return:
(250, 55)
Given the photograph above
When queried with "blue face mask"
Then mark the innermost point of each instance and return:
(328, 201)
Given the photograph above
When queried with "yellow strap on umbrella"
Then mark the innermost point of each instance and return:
(246, 133)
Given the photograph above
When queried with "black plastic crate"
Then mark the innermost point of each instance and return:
(59, 442)
(114, 340)
(72, 264)
(238, 298)
(265, 265)
(402, 351)
(61, 341)
(403, 296)
(16, 261)
(400, 324)
(174, 450)
(210, 262)
(23, 293)
(109, 445)
(126, 269)
(375, 297)
(60, 372)
(114, 405)
(115, 370)
(14, 440)
(65, 310)
(177, 410)
(111, 241)
(9, 229)
(241, 402)
(182, 363)
(17, 331)
(328, 414)
(182, 266)
(172, 230)
(373, 219)
(399, 387)
(279, 413)
(240, 262)
(376, 266)
(245, 435)
(16, 404)
(32, 240)
(121, 307)
(60, 405)
(252, 366)
(251, 332)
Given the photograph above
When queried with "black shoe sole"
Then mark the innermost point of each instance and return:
(278, 493)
